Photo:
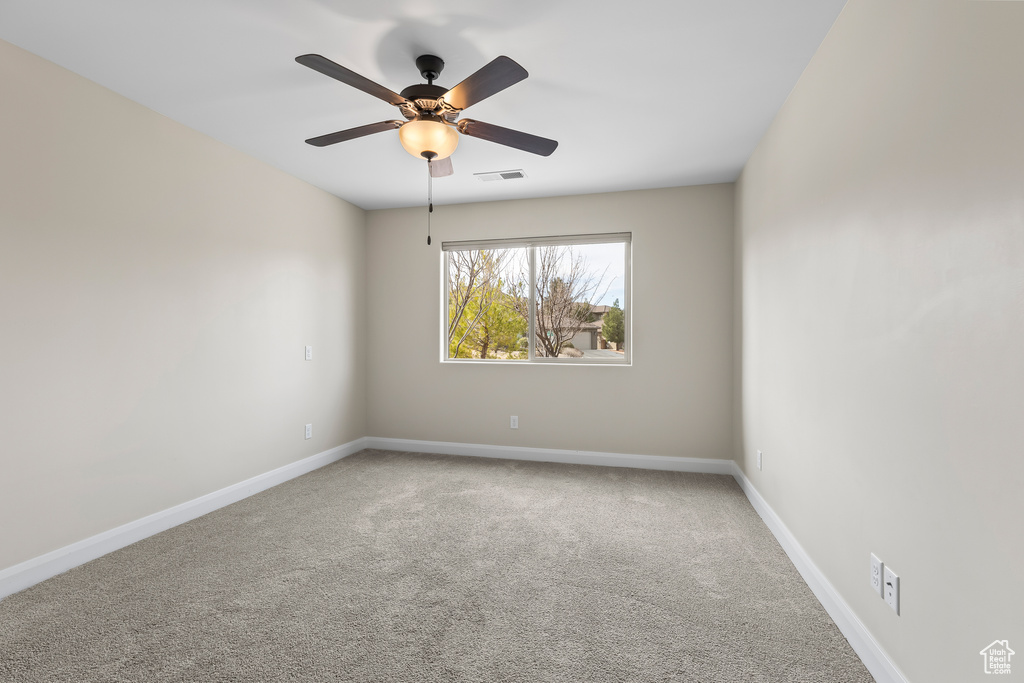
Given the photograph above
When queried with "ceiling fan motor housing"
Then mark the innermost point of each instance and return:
(426, 99)
(422, 91)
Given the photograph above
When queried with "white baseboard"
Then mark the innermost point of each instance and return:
(31, 572)
(863, 643)
(647, 462)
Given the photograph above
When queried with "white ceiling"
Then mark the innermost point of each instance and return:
(640, 94)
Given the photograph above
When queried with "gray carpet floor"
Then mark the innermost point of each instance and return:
(410, 567)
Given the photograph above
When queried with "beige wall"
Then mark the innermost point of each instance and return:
(674, 400)
(157, 289)
(881, 231)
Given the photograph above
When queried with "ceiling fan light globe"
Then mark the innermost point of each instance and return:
(425, 135)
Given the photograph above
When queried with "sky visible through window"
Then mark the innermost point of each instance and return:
(609, 259)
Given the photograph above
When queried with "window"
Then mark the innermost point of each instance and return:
(544, 299)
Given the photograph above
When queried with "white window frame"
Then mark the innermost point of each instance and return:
(531, 243)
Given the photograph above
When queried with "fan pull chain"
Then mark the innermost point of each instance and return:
(430, 197)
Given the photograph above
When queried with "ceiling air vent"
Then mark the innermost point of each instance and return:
(514, 174)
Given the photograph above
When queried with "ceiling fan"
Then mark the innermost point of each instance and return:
(432, 126)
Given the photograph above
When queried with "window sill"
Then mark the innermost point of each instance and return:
(612, 362)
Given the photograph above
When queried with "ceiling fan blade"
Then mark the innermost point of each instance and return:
(352, 133)
(441, 168)
(494, 77)
(349, 77)
(508, 137)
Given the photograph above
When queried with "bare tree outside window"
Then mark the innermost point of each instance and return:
(566, 291)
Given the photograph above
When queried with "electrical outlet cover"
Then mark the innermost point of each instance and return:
(892, 590)
(876, 575)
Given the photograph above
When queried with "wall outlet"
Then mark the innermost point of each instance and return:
(759, 460)
(513, 422)
(892, 590)
(309, 353)
(876, 575)
(309, 431)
